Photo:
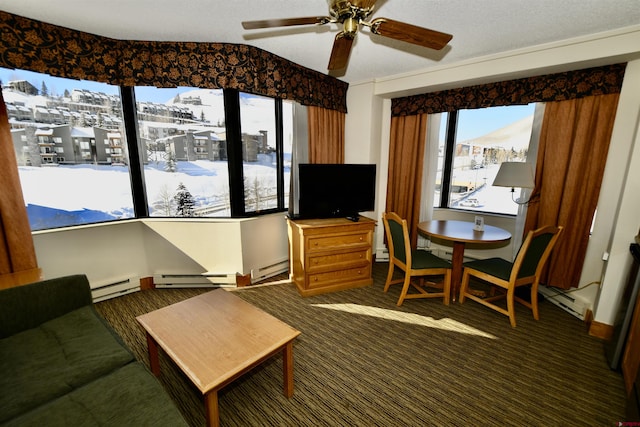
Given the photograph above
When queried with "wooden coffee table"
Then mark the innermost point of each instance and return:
(215, 338)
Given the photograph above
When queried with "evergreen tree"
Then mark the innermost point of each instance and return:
(66, 93)
(184, 202)
(171, 165)
(44, 91)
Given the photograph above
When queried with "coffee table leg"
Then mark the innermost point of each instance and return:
(456, 268)
(287, 367)
(154, 362)
(211, 408)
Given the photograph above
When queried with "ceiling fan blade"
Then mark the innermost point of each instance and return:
(287, 22)
(410, 33)
(340, 52)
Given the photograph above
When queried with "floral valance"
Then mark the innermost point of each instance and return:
(37, 46)
(547, 88)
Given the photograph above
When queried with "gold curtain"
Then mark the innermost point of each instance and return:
(572, 153)
(326, 135)
(404, 183)
(17, 252)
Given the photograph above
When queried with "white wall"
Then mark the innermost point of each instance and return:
(617, 221)
(140, 248)
(622, 174)
(103, 252)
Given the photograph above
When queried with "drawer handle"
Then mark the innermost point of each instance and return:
(315, 279)
(361, 238)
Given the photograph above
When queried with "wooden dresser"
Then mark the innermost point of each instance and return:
(327, 255)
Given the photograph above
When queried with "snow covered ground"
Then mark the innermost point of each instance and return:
(78, 194)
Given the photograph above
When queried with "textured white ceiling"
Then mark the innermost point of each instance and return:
(479, 27)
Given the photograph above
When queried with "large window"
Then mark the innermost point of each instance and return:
(70, 144)
(70, 139)
(261, 144)
(182, 139)
(472, 145)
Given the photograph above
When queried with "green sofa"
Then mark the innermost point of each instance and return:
(61, 364)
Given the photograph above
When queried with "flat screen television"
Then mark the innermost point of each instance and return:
(336, 190)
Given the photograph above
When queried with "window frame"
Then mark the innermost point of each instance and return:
(234, 156)
(448, 165)
(234, 160)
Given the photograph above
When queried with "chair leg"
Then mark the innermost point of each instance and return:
(511, 309)
(389, 276)
(534, 301)
(464, 286)
(405, 288)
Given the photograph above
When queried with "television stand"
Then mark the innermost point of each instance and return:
(328, 255)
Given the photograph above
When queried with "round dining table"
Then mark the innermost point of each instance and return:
(461, 233)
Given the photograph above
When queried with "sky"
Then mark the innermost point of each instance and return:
(475, 123)
(57, 86)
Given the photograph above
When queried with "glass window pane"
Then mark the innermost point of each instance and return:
(259, 158)
(484, 139)
(182, 139)
(70, 145)
(287, 145)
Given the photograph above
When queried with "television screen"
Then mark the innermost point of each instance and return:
(336, 190)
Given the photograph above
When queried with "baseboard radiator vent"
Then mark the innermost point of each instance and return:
(448, 255)
(382, 255)
(114, 288)
(258, 274)
(196, 280)
(574, 306)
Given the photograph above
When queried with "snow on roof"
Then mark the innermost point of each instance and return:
(82, 132)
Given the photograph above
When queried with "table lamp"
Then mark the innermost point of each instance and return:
(515, 174)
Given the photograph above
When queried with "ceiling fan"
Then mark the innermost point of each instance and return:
(352, 14)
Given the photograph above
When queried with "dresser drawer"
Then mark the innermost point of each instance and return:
(338, 241)
(319, 280)
(337, 261)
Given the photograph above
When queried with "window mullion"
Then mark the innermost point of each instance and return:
(234, 151)
(448, 160)
(136, 168)
(279, 154)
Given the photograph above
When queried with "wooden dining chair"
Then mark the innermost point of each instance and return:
(507, 276)
(414, 263)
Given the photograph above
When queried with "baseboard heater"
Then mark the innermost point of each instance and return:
(563, 300)
(114, 288)
(196, 280)
(258, 274)
(448, 255)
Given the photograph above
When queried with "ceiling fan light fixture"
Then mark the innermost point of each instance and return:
(350, 27)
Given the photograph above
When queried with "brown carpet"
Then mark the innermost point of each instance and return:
(363, 361)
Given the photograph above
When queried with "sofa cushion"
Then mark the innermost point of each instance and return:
(130, 396)
(52, 359)
(26, 307)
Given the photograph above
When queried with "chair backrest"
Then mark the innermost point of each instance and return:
(534, 252)
(397, 237)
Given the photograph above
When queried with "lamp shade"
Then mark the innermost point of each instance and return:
(515, 174)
